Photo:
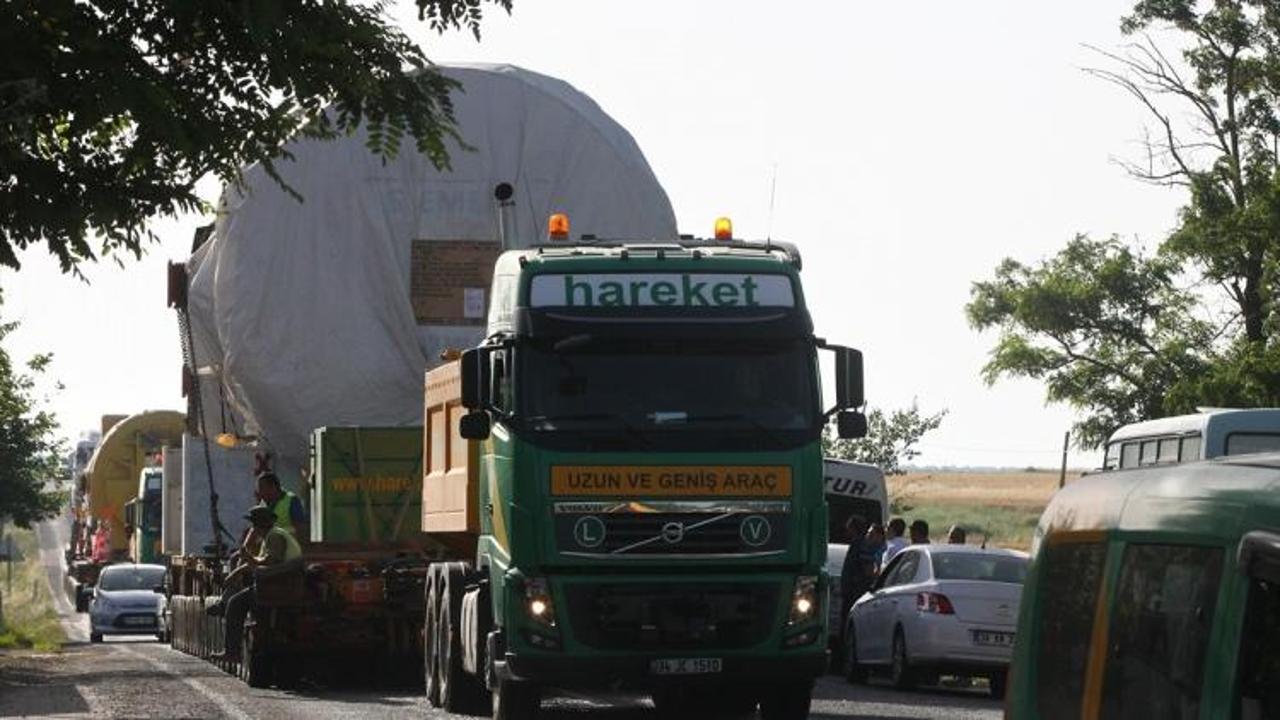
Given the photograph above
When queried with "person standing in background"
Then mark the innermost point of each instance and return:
(895, 540)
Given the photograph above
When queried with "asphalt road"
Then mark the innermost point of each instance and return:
(139, 679)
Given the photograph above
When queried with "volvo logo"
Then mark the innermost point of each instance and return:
(673, 532)
(755, 530)
(589, 531)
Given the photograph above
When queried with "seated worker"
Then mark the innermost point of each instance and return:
(278, 550)
(290, 514)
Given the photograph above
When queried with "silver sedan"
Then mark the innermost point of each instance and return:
(938, 610)
(125, 601)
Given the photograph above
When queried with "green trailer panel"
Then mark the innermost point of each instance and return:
(366, 485)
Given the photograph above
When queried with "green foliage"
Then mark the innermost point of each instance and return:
(890, 441)
(28, 620)
(1123, 337)
(112, 110)
(29, 452)
(1106, 329)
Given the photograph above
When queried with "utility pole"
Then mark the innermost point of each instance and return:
(1062, 477)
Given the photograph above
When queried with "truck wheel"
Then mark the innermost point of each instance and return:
(460, 692)
(903, 676)
(787, 701)
(854, 671)
(430, 649)
(515, 700)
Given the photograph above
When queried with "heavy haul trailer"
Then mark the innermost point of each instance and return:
(358, 594)
(628, 474)
(110, 481)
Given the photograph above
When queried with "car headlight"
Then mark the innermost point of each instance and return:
(804, 600)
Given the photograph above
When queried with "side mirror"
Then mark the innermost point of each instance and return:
(475, 378)
(851, 425)
(474, 425)
(849, 390)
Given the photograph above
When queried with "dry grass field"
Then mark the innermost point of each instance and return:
(1000, 507)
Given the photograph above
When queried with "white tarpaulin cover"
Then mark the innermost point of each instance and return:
(329, 311)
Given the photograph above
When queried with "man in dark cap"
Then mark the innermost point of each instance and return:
(278, 547)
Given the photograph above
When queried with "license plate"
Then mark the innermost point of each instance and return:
(685, 666)
(139, 620)
(988, 637)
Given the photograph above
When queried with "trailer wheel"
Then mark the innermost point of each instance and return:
(460, 692)
(430, 649)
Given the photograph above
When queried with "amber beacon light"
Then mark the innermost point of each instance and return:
(558, 227)
(724, 228)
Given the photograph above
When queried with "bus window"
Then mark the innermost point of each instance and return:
(1168, 451)
(1112, 460)
(1245, 443)
(1068, 591)
(1129, 455)
(1260, 653)
(1148, 453)
(1190, 449)
(1160, 622)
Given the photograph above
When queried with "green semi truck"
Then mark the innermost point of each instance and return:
(628, 475)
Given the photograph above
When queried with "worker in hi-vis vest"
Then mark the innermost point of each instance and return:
(289, 512)
(278, 552)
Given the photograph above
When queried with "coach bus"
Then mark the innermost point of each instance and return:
(1155, 592)
(1186, 438)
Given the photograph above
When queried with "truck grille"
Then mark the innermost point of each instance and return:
(590, 530)
(671, 617)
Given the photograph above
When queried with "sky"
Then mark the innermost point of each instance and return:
(906, 147)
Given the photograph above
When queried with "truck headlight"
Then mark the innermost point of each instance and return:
(537, 602)
(804, 600)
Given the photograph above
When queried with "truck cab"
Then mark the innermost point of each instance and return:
(648, 420)
(142, 516)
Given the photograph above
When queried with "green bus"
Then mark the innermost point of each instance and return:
(1155, 593)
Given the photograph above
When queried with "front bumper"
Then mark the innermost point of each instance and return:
(120, 623)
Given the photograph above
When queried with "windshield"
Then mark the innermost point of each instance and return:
(972, 566)
(131, 577)
(654, 390)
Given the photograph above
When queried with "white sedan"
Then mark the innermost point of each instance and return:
(938, 609)
(125, 602)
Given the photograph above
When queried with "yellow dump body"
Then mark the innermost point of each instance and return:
(449, 464)
(112, 473)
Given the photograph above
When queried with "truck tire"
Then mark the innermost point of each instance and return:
(787, 701)
(515, 700)
(460, 692)
(430, 651)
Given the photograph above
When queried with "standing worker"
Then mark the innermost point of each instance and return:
(278, 551)
(290, 515)
(919, 532)
(894, 540)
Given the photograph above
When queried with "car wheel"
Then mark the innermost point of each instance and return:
(900, 669)
(999, 684)
(95, 637)
(854, 671)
